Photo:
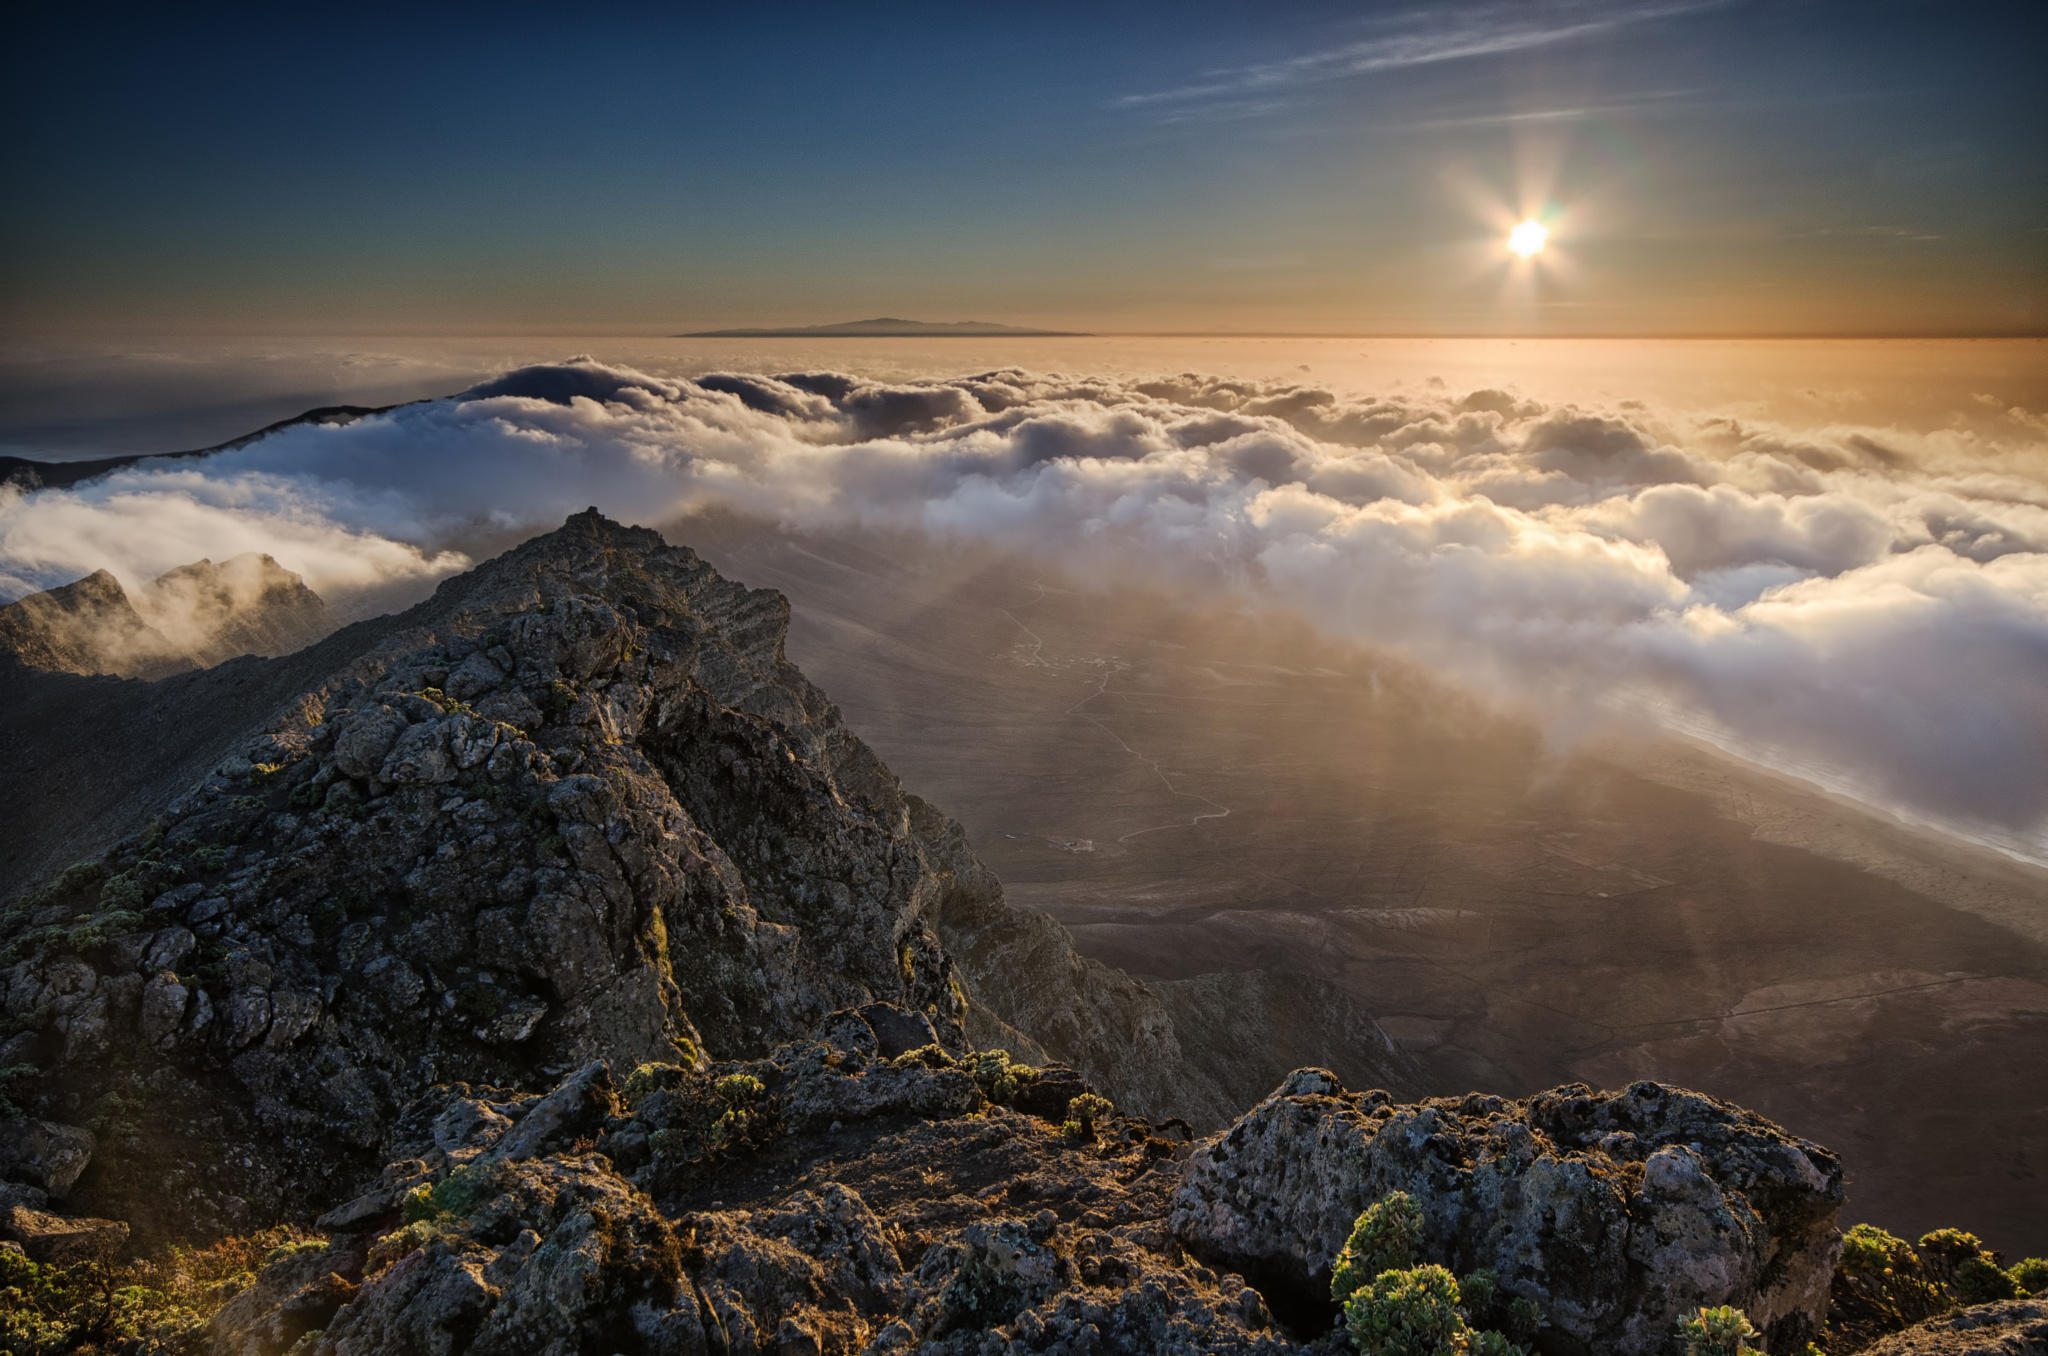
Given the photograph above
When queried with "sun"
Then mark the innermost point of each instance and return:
(1528, 237)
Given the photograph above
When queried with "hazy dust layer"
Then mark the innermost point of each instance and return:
(1191, 794)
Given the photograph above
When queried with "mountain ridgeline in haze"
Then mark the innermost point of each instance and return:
(558, 971)
(886, 327)
(192, 617)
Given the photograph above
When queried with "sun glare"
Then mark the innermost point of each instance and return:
(1527, 238)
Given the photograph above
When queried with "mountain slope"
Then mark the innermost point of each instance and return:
(575, 806)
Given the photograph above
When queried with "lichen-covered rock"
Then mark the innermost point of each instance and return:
(2007, 1328)
(1613, 1212)
(906, 1224)
(295, 1293)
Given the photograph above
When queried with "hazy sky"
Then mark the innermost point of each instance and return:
(1772, 166)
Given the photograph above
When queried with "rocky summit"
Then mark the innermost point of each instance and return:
(558, 973)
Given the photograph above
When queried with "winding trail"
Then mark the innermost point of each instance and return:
(1107, 669)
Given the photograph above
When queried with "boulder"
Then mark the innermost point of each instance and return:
(44, 1154)
(1614, 1213)
(56, 1241)
(575, 1109)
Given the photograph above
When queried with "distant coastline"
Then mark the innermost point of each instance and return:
(888, 327)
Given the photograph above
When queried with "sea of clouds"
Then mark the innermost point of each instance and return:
(1867, 607)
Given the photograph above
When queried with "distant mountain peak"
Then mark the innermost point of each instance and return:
(193, 616)
(885, 327)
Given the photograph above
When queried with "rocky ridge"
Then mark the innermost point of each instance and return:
(576, 806)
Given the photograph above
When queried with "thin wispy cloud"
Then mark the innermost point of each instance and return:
(1657, 101)
(1415, 37)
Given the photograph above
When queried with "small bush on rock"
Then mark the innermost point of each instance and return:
(1385, 1238)
(1944, 1251)
(1881, 1286)
(650, 1078)
(1083, 1114)
(1722, 1330)
(159, 1304)
(738, 1095)
(2030, 1274)
(1393, 1307)
(1413, 1312)
(992, 1074)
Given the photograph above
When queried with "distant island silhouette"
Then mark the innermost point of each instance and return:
(885, 327)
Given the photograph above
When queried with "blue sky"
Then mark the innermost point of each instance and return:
(1706, 167)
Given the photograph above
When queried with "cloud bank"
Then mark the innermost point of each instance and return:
(1865, 607)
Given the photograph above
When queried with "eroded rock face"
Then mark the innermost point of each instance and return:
(1614, 1212)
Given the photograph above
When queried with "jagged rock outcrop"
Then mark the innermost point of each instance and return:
(831, 1198)
(840, 1200)
(192, 617)
(2007, 1328)
(580, 809)
(1614, 1212)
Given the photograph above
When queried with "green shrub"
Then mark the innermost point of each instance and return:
(1979, 1281)
(994, 1076)
(1487, 1342)
(924, 1056)
(737, 1096)
(456, 1194)
(1387, 1237)
(1479, 1289)
(123, 892)
(1881, 1286)
(2030, 1274)
(1412, 1312)
(1514, 1320)
(1720, 1331)
(1523, 1320)
(160, 1304)
(650, 1078)
(1084, 1113)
